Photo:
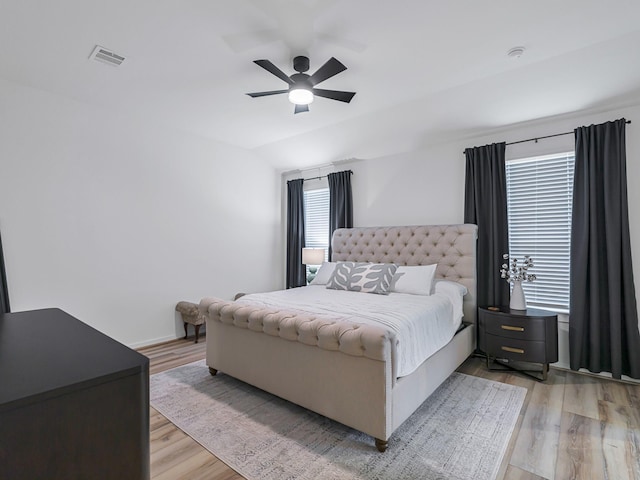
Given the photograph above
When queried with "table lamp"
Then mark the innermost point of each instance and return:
(312, 257)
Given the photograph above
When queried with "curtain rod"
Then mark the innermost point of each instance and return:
(325, 176)
(535, 139)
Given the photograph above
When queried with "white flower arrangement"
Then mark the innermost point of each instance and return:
(512, 273)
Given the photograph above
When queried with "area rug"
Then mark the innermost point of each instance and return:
(461, 432)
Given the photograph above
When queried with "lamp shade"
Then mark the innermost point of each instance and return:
(312, 256)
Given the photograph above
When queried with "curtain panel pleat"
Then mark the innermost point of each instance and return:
(603, 319)
(4, 291)
(296, 274)
(485, 204)
(340, 202)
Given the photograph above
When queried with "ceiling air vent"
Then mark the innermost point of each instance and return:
(104, 55)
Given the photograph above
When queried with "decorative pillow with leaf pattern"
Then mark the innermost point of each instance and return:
(362, 277)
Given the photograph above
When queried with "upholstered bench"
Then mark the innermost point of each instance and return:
(191, 315)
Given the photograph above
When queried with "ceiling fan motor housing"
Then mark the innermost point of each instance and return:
(300, 80)
(301, 63)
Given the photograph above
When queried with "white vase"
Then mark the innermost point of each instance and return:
(517, 297)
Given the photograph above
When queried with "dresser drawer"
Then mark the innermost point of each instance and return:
(515, 349)
(513, 327)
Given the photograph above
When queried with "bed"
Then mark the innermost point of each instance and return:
(343, 369)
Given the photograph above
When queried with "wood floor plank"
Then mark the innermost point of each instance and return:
(579, 450)
(195, 459)
(620, 441)
(634, 395)
(178, 450)
(614, 392)
(581, 395)
(164, 436)
(201, 464)
(536, 447)
(628, 417)
(157, 420)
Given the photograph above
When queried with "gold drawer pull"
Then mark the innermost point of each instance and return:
(515, 329)
(512, 350)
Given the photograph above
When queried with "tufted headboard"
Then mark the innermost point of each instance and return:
(452, 247)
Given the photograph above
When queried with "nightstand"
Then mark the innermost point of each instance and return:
(514, 337)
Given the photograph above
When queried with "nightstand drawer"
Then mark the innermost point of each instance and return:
(513, 327)
(515, 349)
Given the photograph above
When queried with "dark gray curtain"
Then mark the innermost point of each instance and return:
(340, 202)
(4, 292)
(296, 274)
(485, 204)
(603, 325)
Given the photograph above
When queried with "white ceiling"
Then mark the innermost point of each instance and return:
(423, 70)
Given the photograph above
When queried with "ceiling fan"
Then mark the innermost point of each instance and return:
(302, 86)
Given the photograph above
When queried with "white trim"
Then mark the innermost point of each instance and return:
(154, 341)
(540, 157)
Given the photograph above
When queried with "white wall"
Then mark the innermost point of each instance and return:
(114, 220)
(427, 186)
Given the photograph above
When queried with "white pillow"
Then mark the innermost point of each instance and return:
(415, 280)
(449, 285)
(455, 292)
(324, 273)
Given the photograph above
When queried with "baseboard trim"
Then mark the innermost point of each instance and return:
(603, 375)
(152, 342)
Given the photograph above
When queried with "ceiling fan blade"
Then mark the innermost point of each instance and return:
(264, 94)
(301, 108)
(329, 69)
(334, 94)
(271, 68)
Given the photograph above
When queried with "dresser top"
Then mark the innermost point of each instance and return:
(46, 353)
(529, 312)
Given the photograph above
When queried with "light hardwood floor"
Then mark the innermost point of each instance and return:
(570, 427)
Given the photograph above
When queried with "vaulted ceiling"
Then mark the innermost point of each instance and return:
(423, 70)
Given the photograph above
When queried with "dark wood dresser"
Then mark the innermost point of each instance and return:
(74, 403)
(518, 337)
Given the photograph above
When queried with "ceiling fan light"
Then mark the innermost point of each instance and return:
(300, 96)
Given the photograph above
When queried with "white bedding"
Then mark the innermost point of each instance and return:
(422, 324)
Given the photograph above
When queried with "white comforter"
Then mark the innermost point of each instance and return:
(422, 324)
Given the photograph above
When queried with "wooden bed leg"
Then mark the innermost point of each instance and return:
(213, 371)
(381, 445)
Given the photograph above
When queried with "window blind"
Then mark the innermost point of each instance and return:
(539, 201)
(316, 219)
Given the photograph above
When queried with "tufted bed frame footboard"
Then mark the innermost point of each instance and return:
(347, 371)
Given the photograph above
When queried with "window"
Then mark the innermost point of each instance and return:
(539, 200)
(316, 219)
